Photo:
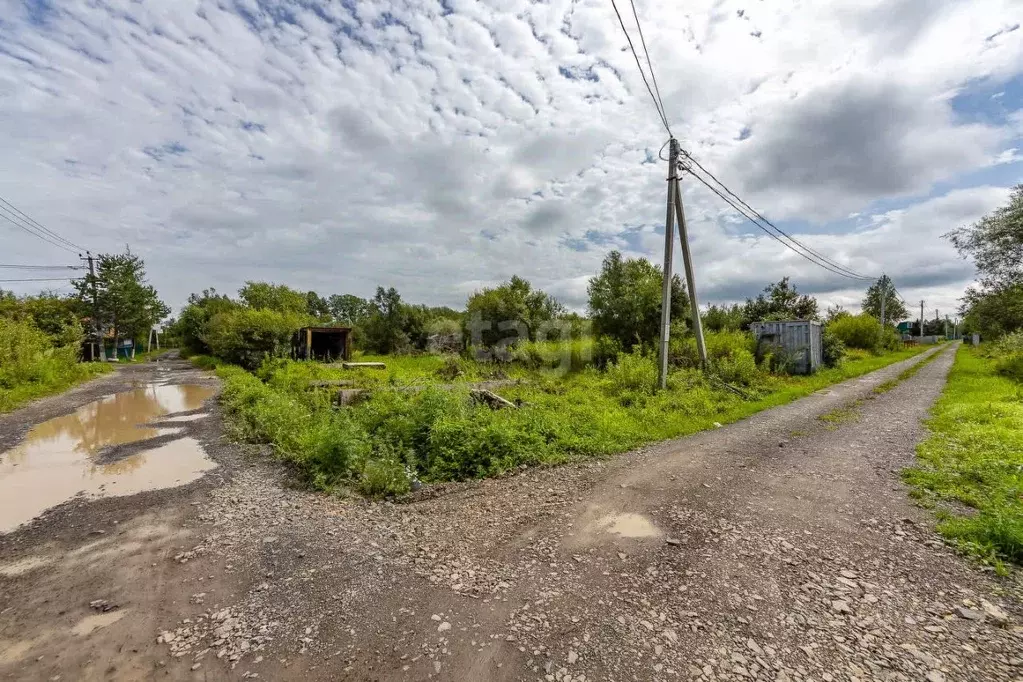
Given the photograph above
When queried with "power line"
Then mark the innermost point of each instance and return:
(770, 234)
(34, 233)
(664, 119)
(650, 65)
(851, 274)
(32, 221)
(42, 267)
(41, 279)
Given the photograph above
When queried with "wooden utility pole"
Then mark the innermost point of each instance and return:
(669, 247)
(97, 339)
(884, 290)
(921, 320)
(687, 260)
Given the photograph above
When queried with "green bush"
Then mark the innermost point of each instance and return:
(247, 337)
(731, 355)
(30, 366)
(832, 348)
(858, 331)
(1011, 366)
(632, 373)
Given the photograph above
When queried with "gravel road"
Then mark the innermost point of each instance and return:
(783, 547)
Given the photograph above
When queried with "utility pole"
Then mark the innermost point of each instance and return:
(97, 342)
(921, 320)
(669, 246)
(687, 259)
(884, 291)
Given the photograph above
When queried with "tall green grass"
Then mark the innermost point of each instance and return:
(31, 367)
(420, 423)
(974, 456)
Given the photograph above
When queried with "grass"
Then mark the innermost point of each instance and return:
(842, 415)
(419, 422)
(974, 457)
(49, 383)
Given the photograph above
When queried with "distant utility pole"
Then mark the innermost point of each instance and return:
(883, 286)
(676, 211)
(97, 346)
(921, 320)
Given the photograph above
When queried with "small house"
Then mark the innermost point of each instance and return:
(798, 341)
(326, 344)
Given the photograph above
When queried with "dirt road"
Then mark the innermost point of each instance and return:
(779, 548)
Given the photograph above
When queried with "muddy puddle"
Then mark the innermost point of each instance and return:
(108, 447)
(628, 526)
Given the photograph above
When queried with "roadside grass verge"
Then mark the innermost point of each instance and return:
(418, 421)
(51, 378)
(974, 457)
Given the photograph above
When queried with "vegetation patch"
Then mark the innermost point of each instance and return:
(905, 374)
(974, 457)
(418, 421)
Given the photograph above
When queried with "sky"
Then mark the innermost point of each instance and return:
(442, 146)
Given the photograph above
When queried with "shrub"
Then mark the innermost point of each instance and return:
(858, 331)
(632, 372)
(731, 355)
(832, 348)
(1011, 366)
(247, 337)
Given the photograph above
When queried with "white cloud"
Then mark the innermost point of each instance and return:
(345, 145)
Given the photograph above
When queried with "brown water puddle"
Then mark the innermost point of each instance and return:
(57, 461)
(628, 526)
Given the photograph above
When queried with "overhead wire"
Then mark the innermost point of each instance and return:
(42, 267)
(40, 279)
(657, 105)
(766, 231)
(39, 226)
(851, 274)
(34, 233)
(650, 65)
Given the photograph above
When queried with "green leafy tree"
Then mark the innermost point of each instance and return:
(247, 337)
(894, 310)
(317, 306)
(994, 306)
(513, 310)
(723, 318)
(780, 301)
(625, 300)
(125, 303)
(191, 328)
(267, 296)
(348, 309)
(386, 330)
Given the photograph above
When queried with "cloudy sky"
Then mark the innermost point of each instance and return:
(440, 145)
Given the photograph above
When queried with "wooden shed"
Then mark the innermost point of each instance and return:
(326, 344)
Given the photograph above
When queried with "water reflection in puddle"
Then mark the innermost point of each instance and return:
(57, 460)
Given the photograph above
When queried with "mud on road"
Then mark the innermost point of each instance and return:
(778, 548)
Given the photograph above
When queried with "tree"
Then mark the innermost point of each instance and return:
(782, 302)
(625, 300)
(348, 309)
(125, 303)
(191, 327)
(267, 296)
(723, 318)
(513, 309)
(995, 244)
(385, 327)
(894, 310)
(317, 306)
